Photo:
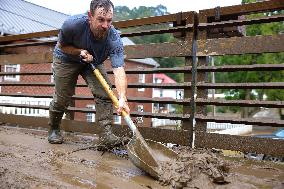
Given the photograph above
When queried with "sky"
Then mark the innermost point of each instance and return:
(173, 6)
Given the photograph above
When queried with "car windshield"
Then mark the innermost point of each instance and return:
(280, 133)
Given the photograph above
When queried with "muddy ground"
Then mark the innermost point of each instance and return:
(27, 160)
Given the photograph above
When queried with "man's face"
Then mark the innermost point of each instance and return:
(100, 22)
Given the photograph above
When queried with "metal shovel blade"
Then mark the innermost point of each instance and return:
(141, 160)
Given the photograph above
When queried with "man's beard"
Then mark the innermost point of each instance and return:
(100, 34)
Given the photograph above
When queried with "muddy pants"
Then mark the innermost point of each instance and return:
(65, 78)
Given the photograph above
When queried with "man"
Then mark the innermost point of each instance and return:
(83, 40)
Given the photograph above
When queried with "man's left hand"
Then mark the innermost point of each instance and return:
(122, 105)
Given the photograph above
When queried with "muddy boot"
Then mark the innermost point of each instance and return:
(54, 135)
(108, 140)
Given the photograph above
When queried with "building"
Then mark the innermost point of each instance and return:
(165, 94)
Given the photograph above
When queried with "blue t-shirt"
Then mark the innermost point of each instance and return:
(75, 31)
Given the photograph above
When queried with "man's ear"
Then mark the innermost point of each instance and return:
(89, 14)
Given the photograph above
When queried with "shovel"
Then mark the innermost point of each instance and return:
(146, 155)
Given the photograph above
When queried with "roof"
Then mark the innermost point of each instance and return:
(19, 17)
(148, 61)
(164, 78)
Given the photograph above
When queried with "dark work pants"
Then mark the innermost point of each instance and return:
(65, 79)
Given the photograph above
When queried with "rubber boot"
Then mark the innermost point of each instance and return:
(54, 135)
(110, 140)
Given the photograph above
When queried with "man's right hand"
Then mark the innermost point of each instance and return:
(86, 56)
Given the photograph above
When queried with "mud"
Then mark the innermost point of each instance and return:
(27, 160)
(192, 167)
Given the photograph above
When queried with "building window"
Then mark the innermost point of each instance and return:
(12, 68)
(91, 117)
(141, 79)
(179, 94)
(161, 93)
(140, 108)
(116, 119)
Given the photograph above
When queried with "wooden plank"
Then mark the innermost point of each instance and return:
(234, 68)
(240, 143)
(129, 98)
(26, 95)
(159, 135)
(158, 50)
(242, 103)
(265, 6)
(150, 20)
(18, 37)
(24, 106)
(25, 84)
(210, 47)
(261, 20)
(25, 73)
(158, 31)
(241, 45)
(247, 121)
(131, 51)
(184, 85)
(184, 69)
(25, 44)
(260, 85)
(130, 85)
(26, 58)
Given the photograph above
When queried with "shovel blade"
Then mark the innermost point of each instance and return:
(141, 159)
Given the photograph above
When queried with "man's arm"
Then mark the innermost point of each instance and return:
(69, 49)
(120, 81)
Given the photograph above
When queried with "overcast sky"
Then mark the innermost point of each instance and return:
(173, 6)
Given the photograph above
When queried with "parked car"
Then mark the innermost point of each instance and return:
(277, 135)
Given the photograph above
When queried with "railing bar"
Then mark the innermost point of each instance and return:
(262, 85)
(25, 73)
(158, 31)
(262, 20)
(248, 103)
(226, 68)
(247, 121)
(247, 8)
(29, 36)
(25, 44)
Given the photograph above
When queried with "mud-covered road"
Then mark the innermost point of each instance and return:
(27, 160)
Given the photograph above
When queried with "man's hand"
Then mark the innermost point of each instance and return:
(86, 56)
(122, 105)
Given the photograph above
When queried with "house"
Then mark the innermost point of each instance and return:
(19, 17)
(165, 94)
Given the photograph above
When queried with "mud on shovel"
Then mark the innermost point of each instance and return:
(144, 155)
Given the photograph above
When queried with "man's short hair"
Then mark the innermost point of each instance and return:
(106, 4)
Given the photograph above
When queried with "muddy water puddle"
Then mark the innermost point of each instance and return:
(28, 161)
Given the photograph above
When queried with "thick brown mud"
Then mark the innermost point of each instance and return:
(27, 160)
(191, 165)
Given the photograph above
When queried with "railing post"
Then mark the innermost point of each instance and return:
(189, 93)
(200, 127)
